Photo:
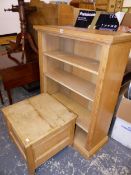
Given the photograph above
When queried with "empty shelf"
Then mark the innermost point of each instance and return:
(83, 87)
(86, 64)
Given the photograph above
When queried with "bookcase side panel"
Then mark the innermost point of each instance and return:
(110, 77)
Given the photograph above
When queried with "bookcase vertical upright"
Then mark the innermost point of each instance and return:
(83, 70)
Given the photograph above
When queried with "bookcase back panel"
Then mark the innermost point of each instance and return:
(52, 86)
(87, 49)
(53, 64)
(85, 75)
(73, 102)
(67, 68)
(82, 101)
(58, 43)
(51, 42)
(67, 45)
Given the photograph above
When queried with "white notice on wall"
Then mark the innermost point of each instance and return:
(127, 3)
(120, 16)
(130, 54)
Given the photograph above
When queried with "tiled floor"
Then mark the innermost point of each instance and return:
(112, 159)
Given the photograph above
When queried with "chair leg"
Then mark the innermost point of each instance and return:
(1, 98)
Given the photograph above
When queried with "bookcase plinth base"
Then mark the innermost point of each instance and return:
(87, 154)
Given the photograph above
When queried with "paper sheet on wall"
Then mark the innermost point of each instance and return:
(130, 54)
(120, 16)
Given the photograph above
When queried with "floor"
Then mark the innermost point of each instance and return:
(112, 159)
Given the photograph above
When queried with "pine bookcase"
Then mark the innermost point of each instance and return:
(83, 70)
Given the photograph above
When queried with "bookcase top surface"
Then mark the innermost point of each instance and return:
(106, 37)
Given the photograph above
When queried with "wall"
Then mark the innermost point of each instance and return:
(127, 3)
(9, 21)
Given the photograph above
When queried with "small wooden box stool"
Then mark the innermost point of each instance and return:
(40, 126)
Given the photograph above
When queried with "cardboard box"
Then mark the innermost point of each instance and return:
(122, 132)
(124, 110)
(126, 20)
(122, 126)
(127, 3)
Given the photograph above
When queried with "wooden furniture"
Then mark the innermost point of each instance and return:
(24, 41)
(5, 39)
(49, 14)
(94, 5)
(83, 69)
(98, 5)
(40, 127)
(16, 73)
(55, 14)
(115, 5)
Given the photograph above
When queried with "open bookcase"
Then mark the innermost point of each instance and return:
(83, 70)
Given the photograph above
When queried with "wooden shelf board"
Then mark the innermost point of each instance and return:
(86, 64)
(6, 39)
(82, 87)
(83, 119)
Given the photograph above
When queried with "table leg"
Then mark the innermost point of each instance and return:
(1, 98)
(9, 96)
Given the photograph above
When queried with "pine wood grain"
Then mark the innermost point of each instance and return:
(111, 50)
(84, 63)
(40, 126)
(80, 86)
(83, 119)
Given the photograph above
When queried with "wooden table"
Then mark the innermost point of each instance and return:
(41, 127)
(4, 39)
(15, 73)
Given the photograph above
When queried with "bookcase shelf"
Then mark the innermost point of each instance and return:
(84, 63)
(83, 70)
(72, 82)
